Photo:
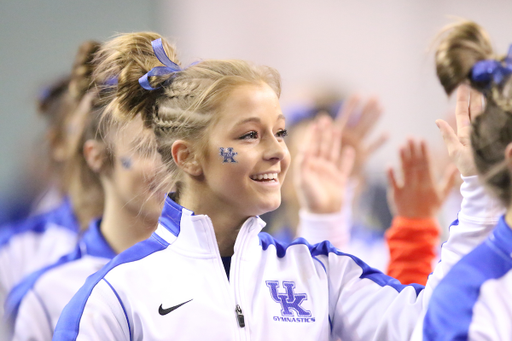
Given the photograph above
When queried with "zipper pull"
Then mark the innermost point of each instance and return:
(240, 316)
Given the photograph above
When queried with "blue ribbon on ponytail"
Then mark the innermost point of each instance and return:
(489, 70)
(169, 68)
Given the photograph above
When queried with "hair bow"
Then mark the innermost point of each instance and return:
(489, 70)
(169, 68)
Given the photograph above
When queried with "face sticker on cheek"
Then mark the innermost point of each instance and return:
(228, 154)
(126, 162)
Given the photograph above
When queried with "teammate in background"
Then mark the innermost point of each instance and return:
(336, 223)
(414, 234)
(124, 162)
(42, 239)
(206, 271)
(473, 302)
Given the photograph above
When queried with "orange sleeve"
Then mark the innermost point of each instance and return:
(411, 245)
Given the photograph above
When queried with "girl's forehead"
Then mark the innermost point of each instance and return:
(250, 103)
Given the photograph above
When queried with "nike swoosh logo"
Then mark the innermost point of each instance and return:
(163, 311)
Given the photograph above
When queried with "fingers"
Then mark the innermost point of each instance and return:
(309, 144)
(392, 180)
(379, 142)
(346, 161)
(462, 110)
(423, 165)
(448, 182)
(369, 117)
(347, 110)
(449, 137)
(408, 158)
(325, 136)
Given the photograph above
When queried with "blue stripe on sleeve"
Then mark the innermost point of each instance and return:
(69, 321)
(324, 248)
(16, 295)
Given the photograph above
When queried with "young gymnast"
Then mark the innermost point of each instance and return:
(125, 164)
(473, 302)
(42, 239)
(207, 272)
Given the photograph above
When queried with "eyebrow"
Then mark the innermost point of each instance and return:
(258, 120)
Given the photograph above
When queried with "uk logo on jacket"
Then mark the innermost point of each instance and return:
(291, 309)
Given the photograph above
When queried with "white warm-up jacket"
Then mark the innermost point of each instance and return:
(173, 286)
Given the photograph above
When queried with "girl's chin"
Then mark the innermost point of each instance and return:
(270, 207)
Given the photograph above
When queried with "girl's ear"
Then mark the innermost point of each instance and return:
(185, 158)
(94, 153)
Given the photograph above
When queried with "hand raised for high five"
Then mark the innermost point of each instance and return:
(359, 120)
(419, 196)
(322, 167)
(469, 105)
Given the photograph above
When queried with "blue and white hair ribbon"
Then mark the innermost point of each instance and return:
(169, 68)
(489, 70)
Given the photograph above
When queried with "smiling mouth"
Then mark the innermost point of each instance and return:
(269, 177)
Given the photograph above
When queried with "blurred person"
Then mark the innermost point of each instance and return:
(124, 163)
(42, 239)
(220, 132)
(413, 238)
(473, 301)
(337, 225)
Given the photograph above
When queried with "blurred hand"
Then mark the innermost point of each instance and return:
(322, 167)
(419, 196)
(469, 105)
(355, 134)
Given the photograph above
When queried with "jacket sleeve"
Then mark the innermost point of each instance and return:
(32, 322)
(368, 305)
(334, 227)
(412, 244)
(109, 325)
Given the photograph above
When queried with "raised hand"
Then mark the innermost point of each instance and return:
(359, 123)
(419, 196)
(322, 167)
(469, 105)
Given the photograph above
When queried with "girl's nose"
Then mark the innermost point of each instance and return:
(275, 150)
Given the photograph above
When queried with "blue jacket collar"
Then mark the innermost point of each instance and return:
(171, 215)
(195, 233)
(94, 242)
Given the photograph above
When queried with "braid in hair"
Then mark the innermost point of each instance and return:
(184, 103)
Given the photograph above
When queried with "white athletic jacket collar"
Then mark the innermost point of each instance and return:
(195, 234)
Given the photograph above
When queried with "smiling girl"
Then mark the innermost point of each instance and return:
(207, 272)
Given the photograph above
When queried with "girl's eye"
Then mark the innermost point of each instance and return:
(282, 133)
(249, 135)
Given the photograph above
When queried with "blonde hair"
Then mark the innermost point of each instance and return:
(185, 102)
(461, 46)
(86, 196)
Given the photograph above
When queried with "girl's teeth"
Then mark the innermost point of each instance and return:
(271, 176)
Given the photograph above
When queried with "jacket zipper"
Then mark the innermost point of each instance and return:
(240, 316)
(235, 264)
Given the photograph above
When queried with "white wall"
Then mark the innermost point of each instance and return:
(372, 47)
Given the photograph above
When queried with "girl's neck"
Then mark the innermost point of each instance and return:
(122, 228)
(226, 223)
